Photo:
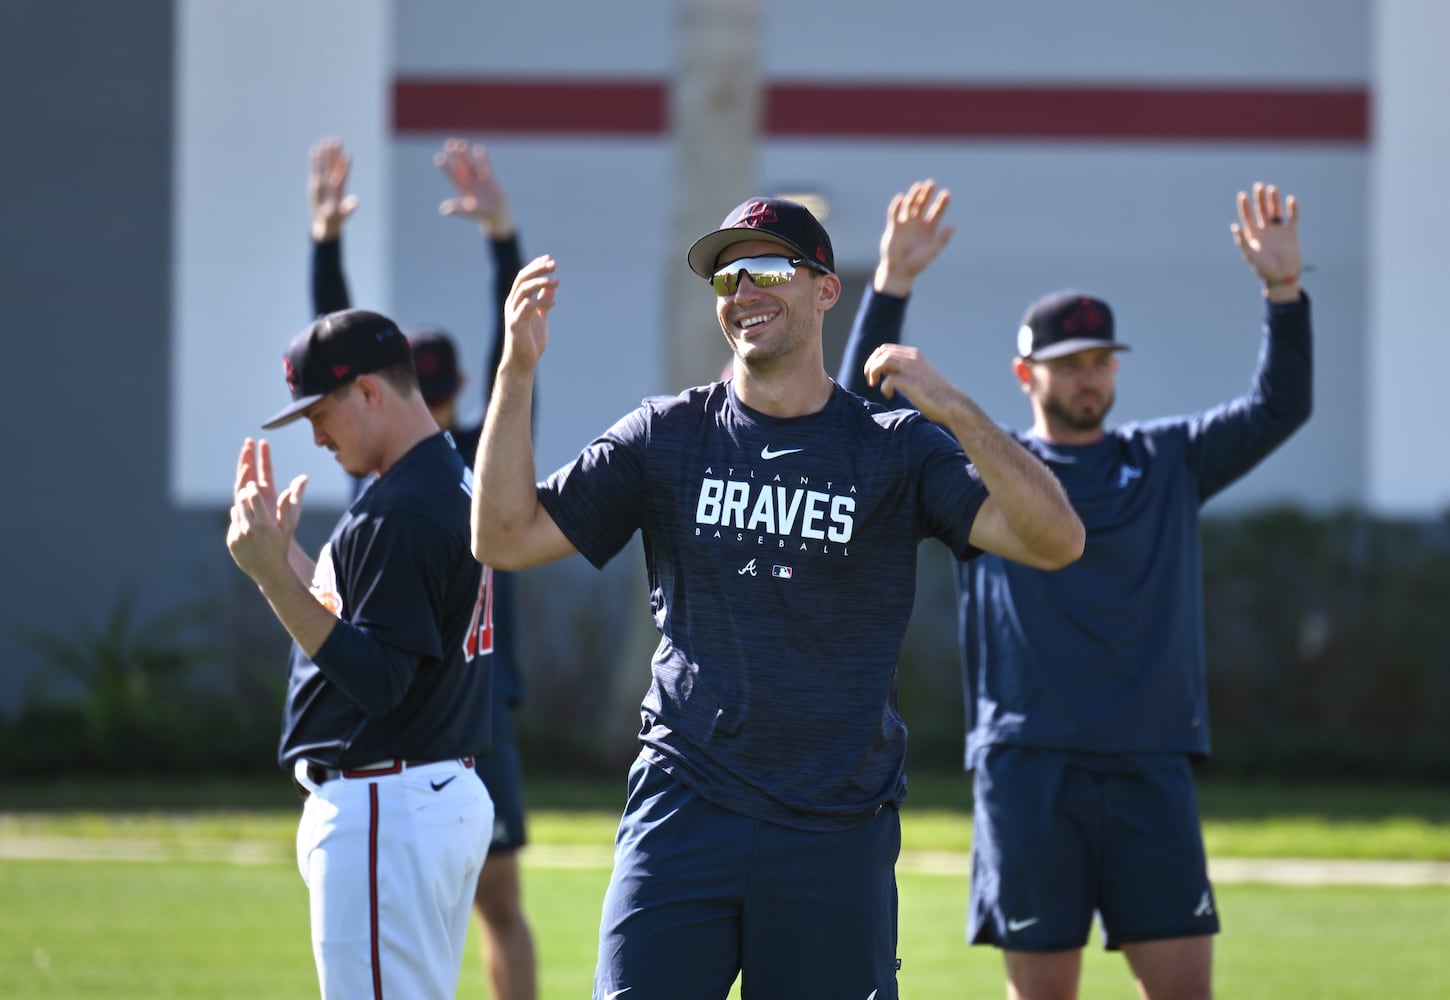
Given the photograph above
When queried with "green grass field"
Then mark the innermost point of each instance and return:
(1366, 822)
(210, 931)
(189, 891)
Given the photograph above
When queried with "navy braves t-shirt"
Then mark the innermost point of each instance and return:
(399, 567)
(781, 556)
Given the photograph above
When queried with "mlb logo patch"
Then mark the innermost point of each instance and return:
(784, 572)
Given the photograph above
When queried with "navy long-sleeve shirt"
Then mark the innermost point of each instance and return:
(1106, 656)
(330, 294)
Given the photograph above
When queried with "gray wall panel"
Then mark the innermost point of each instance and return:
(85, 92)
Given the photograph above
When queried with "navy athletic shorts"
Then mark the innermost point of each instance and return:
(1054, 841)
(504, 780)
(700, 893)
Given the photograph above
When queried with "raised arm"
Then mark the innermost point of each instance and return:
(911, 240)
(1230, 439)
(507, 263)
(1027, 516)
(330, 205)
(511, 528)
(480, 197)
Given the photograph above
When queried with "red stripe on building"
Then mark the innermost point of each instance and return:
(1202, 114)
(609, 107)
(902, 111)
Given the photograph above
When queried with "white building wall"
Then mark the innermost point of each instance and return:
(256, 85)
(599, 209)
(1146, 229)
(1058, 41)
(1409, 349)
(1145, 224)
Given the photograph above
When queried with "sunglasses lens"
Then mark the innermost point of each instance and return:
(764, 272)
(764, 279)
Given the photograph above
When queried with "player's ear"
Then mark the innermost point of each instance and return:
(1022, 368)
(369, 389)
(828, 290)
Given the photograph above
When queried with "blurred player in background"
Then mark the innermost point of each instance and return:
(508, 946)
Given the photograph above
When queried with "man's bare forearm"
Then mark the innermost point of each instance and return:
(1029, 496)
(302, 564)
(504, 498)
(298, 609)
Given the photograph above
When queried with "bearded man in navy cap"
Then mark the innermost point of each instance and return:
(1086, 702)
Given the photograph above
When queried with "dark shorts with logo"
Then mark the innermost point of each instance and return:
(504, 780)
(700, 893)
(1055, 840)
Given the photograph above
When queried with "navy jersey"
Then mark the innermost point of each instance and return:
(330, 294)
(781, 557)
(399, 568)
(1106, 656)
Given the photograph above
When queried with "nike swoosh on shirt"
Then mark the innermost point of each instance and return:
(617, 993)
(767, 454)
(438, 786)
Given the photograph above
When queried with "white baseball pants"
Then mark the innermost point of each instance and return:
(391, 863)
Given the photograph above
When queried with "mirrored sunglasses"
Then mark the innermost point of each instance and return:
(764, 272)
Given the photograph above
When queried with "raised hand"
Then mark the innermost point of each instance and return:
(263, 522)
(526, 313)
(327, 190)
(254, 467)
(1267, 235)
(913, 236)
(480, 196)
(896, 368)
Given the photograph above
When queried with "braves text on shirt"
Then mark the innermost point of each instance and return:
(799, 516)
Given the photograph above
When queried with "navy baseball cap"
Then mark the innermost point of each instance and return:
(776, 220)
(333, 351)
(1063, 323)
(436, 358)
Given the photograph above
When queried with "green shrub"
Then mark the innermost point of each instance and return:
(131, 696)
(1327, 637)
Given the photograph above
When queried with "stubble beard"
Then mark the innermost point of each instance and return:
(766, 359)
(1080, 419)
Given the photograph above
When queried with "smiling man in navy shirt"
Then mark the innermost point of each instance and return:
(780, 516)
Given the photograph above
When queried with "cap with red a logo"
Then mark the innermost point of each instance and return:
(786, 223)
(1063, 323)
(333, 351)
